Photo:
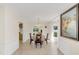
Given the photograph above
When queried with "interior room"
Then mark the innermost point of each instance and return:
(39, 29)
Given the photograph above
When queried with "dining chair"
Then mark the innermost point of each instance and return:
(31, 39)
(46, 39)
(38, 40)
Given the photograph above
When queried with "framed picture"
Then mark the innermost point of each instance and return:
(35, 29)
(69, 23)
(55, 34)
(55, 27)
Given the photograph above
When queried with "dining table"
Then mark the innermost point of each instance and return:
(42, 39)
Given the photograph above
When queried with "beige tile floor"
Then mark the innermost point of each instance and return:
(47, 49)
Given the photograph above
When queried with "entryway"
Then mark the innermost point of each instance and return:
(20, 33)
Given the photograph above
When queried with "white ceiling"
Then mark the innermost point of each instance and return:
(45, 11)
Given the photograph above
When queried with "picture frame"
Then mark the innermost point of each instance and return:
(69, 21)
(55, 34)
(35, 29)
(55, 27)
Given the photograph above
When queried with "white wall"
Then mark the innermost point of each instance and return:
(55, 22)
(66, 45)
(2, 30)
(12, 20)
(11, 31)
(49, 29)
(27, 28)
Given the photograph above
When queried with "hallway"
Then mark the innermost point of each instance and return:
(39, 18)
(47, 49)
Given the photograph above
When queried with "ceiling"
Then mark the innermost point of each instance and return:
(43, 11)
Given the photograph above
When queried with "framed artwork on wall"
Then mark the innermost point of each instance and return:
(69, 23)
(55, 27)
(55, 34)
(35, 29)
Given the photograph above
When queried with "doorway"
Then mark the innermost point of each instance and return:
(20, 34)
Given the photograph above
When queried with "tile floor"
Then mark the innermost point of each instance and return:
(47, 49)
